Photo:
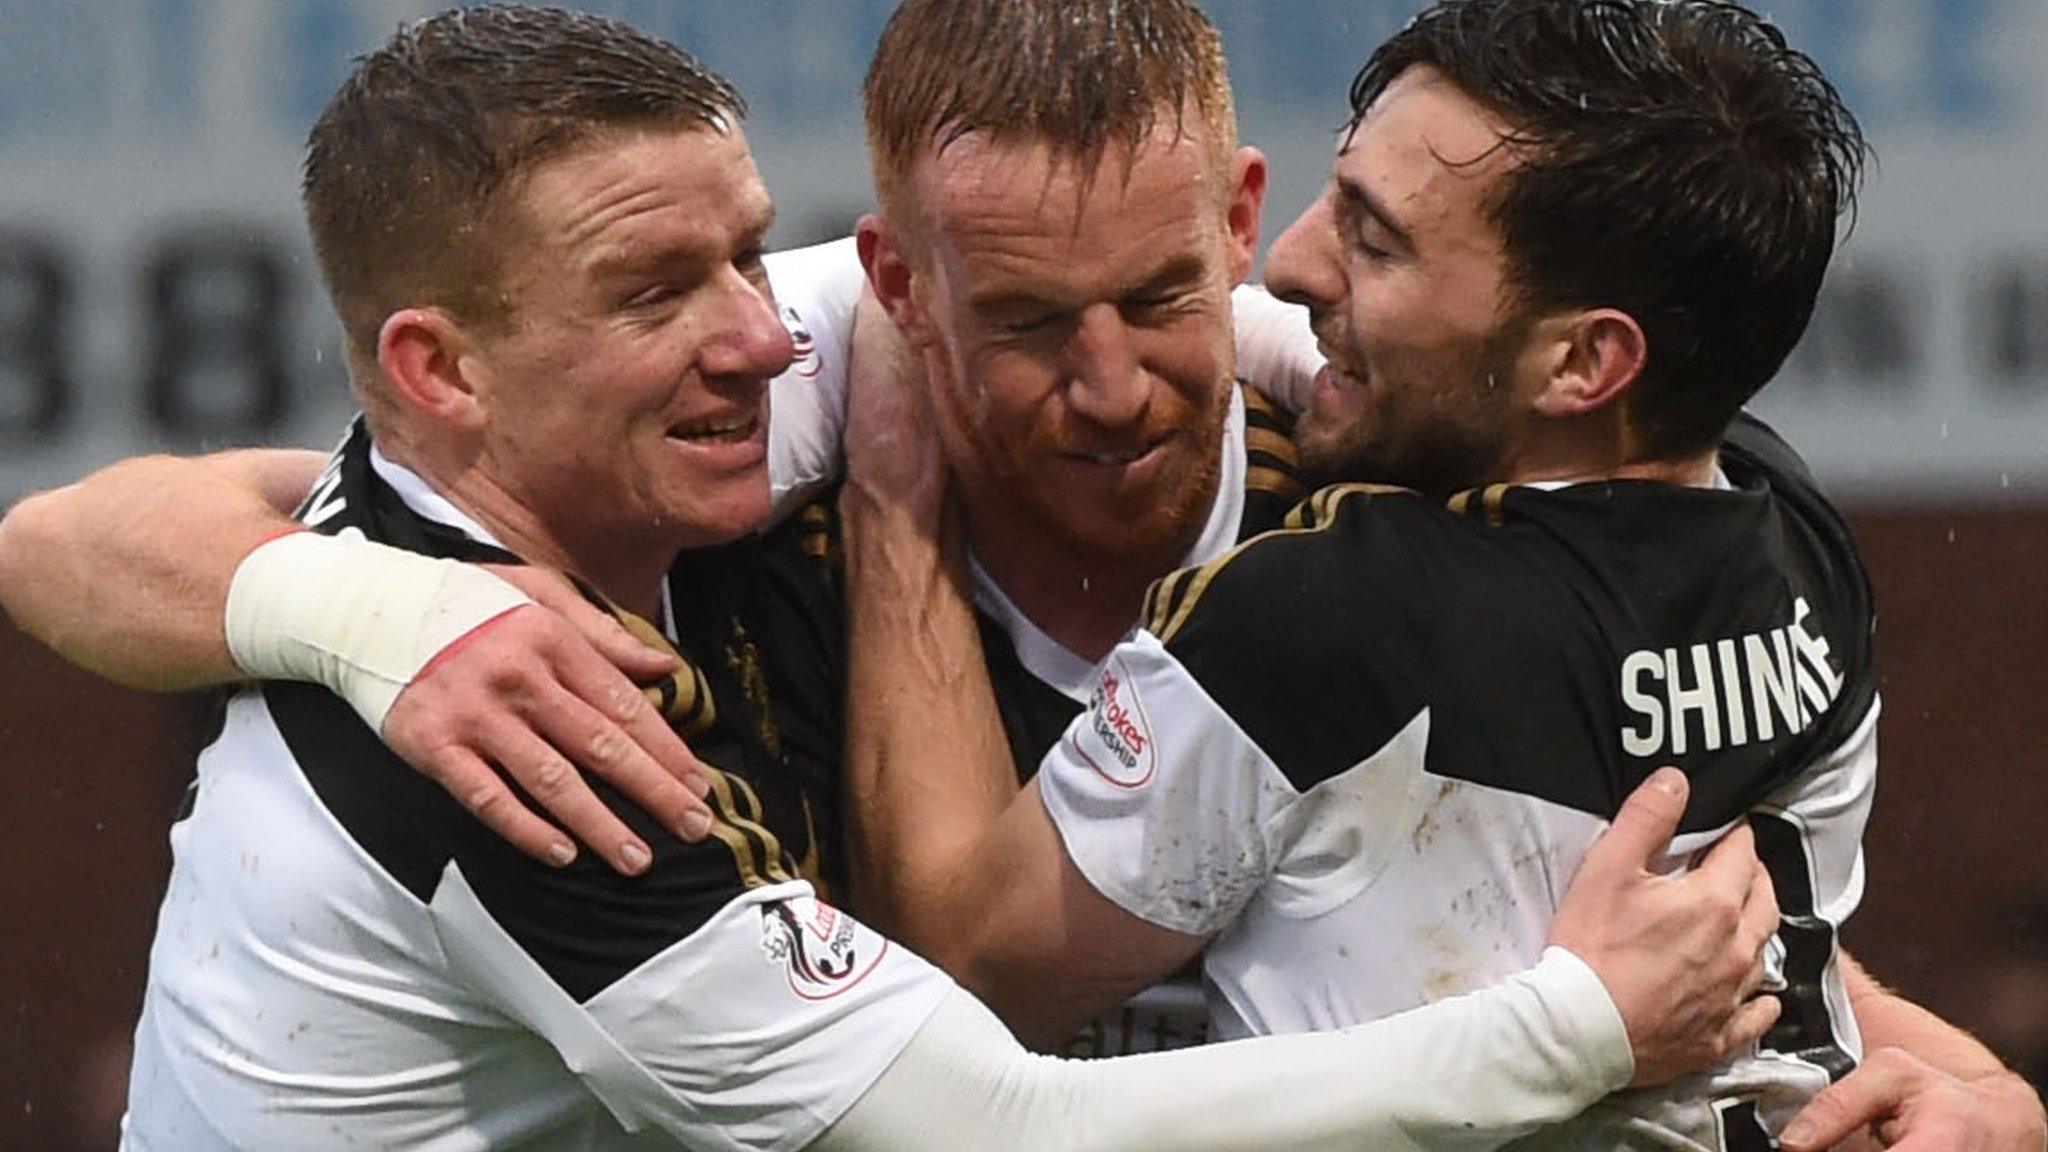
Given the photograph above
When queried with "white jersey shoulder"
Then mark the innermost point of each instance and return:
(298, 993)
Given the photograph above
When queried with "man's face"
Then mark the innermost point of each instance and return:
(1078, 328)
(627, 392)
(1405, 277)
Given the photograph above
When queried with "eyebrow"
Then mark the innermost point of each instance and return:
(640, 259)
(1182, 269)
(1358, 200)
(1186, 268)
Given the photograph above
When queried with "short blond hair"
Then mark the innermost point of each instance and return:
(1080, 75)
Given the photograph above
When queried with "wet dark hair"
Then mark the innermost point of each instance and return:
(1080, 74)
(407, 169)
(1677, 161)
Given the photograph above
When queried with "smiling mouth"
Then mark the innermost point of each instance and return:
(1120, 457)
(1338, 380)
(731, 430)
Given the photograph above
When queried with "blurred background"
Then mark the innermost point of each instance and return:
(156, 293)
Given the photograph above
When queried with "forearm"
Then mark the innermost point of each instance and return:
(126, 572)
(1922, 1083)
(928, 768)
(1466, 1073)
(1889, 1020)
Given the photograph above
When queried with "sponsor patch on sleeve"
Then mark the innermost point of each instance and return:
(1115, 737)
(808, 362)
(824, 951)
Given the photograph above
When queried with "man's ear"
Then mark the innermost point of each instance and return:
(1247, 200)
(424, 358)
(1592, 361)
(891, 278)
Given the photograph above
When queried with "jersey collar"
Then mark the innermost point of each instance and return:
(419, 496)
(1059, 666)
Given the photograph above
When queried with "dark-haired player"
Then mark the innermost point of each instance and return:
(1356, 760)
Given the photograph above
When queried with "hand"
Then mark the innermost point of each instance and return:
(893, 459)
(1906, 1103)
(542, 691)
(1680, 954)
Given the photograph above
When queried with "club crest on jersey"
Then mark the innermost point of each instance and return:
(1118, 742)
(823, 950)
(807, 363)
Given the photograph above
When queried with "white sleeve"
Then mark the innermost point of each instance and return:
(1464, 1074)
(753, 1033)
(1164, 804)
(816, 289)
(1276, 350)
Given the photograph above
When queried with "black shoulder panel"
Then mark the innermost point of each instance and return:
(1565, 643)
(1291, 632)
(1035, 714)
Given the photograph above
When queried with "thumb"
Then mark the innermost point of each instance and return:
(640, 657)
(1864, 1097)
(1648, 819)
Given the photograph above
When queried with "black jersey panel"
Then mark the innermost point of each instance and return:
(1564, 642)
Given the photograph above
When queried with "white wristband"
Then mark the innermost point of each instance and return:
(358, 617)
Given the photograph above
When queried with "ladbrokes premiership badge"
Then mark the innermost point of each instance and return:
(1116, 738)
(823, 950)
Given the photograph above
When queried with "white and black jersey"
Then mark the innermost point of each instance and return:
(1366, 754)
(345, 955)
(1040, 685)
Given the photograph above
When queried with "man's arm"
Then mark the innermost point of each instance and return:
(125, 572)
(538, 691)
(1466, 1074)
(1276, 349)
(1922, 1081)
(958, 863)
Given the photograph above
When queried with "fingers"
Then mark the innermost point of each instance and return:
(1731, 864)
(561, 791)
(1647, 821)
(481, 790)
(626, 742)
(1866, 1096)
(1759, 910)
(547, 696)
(626, 652)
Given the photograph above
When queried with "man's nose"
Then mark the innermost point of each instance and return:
(748, 338)
(1106, 383)
(1302, 267)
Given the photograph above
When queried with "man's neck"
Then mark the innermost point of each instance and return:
(1599, 446)
(630, 577)
(1086, 606)
(1696, 471)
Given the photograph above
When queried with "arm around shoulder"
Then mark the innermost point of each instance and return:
(125, 573)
